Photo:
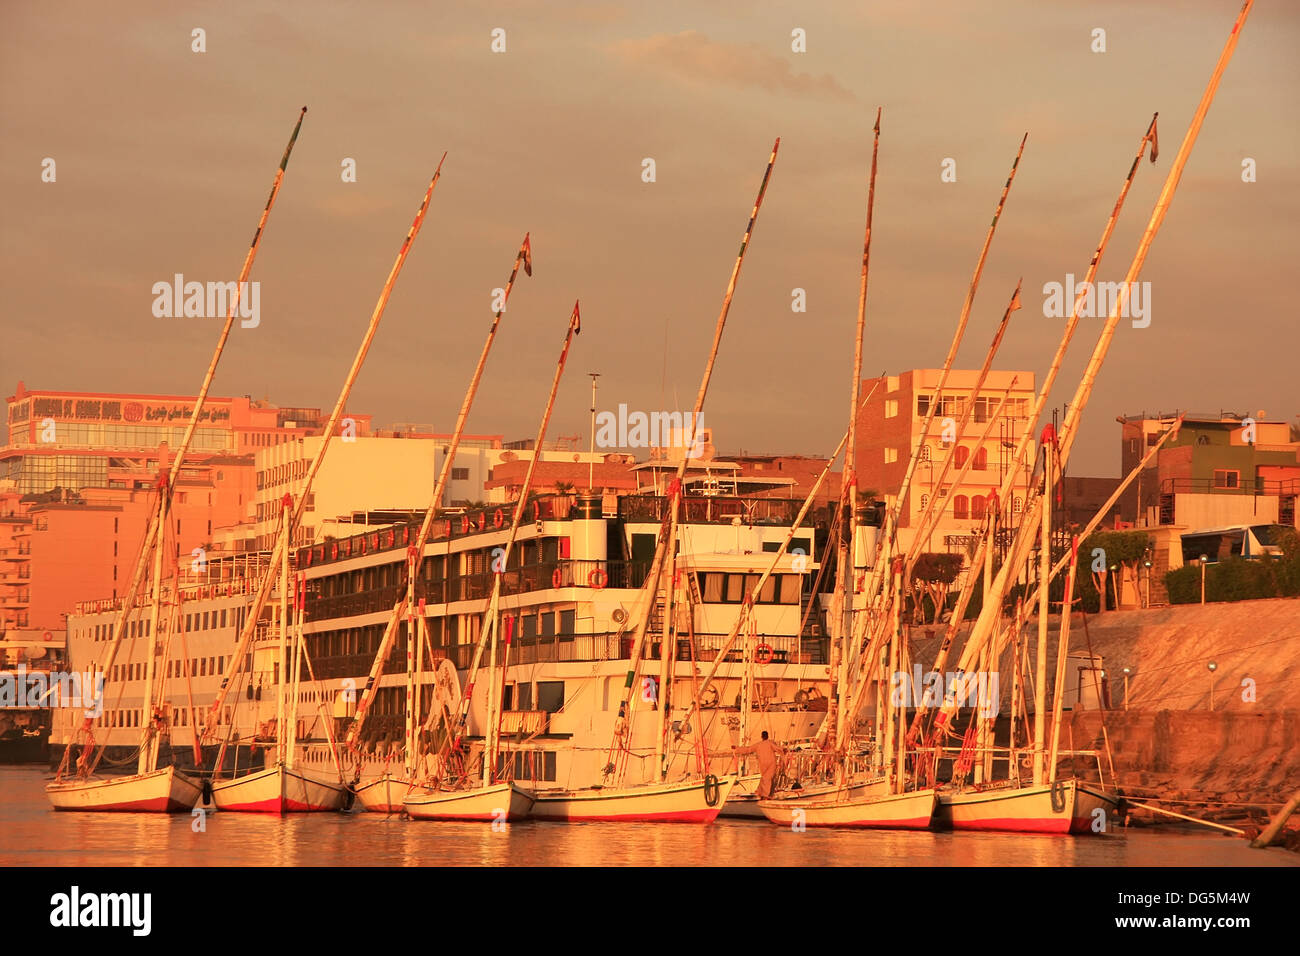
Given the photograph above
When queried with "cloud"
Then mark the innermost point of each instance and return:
(694, 56)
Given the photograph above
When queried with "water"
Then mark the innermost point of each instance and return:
(31, 834)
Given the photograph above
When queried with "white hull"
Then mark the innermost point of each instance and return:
(895, 811)
(159, 791)
(383, 794)
(686, 802)
(1076, 807)
(279, 790)
(502, 802)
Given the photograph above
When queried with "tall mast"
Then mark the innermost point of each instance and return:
(1006, 490)
(151, 533)
(525, 258)
(842, 610)
(148, 735)
(1048, 445)
(490, 620)
(651, 585)
(281, 736)
(1024, 541)
(284, 543)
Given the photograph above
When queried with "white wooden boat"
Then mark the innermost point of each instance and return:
(894, 811)
(1067, 806)
(693, 801)
(500, 802)
(279, 790)
(743, 802)
(159, 791)
(383, 794)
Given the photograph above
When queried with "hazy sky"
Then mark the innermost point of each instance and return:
(164, 158)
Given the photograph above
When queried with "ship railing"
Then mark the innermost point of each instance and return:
(710, 509)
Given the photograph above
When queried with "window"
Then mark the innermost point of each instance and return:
(981, 460)
(960, 456)
(922, 406)
(1225, 478)
(891, 408)
(977, 504)
(460, 474)
(567, 620)
(891, 455)
(960, 507)
(550, 695)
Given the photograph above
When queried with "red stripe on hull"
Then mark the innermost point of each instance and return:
(914, 823)
(278, 807)
(1017, 825)
(156, 805)
(672, 816)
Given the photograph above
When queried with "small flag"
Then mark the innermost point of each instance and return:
(577, 320)
(1015, 301)
(1155, 140)
(527, 250)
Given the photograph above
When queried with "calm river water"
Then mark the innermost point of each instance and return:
(31, 834)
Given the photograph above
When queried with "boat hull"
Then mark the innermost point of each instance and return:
(650, 803)
(279, 790)
(895, 811)
(383, 794)
(159, 791)
(502, 802)
(1029, 809)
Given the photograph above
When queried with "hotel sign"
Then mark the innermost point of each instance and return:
(71, 409)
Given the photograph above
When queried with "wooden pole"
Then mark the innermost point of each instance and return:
(264, 587)
(1275, 826)
(366, 698)
(1062, 657)
(142, 559)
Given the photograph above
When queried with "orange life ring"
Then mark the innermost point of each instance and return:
(498, 519)
(374, 540)
(464, 524)
(361, 545)
(557, 579)
(763, 654)
(389, 538)
(334, 551)
(446, 528)
(537, 510)
(598, 578)
(307, 557)
(406, 534)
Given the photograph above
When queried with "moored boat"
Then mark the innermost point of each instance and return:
(166, 790)
(895, 811)
(383, 794)
(693, 801)
(279, 790)
(502, 802)
(1066, 806)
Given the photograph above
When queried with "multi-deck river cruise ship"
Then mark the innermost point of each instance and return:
(573, 588)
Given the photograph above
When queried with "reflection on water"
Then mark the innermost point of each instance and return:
(34, 835)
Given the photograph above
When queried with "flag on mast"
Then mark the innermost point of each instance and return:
(527, 251)
(577, 320)
(1155, 140)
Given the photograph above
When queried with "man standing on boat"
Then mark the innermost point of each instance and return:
(769, 759)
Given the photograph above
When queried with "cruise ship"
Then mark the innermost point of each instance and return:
(573, 588)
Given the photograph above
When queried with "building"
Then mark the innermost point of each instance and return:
(1219, 471)
(77, 440)
(889, 430)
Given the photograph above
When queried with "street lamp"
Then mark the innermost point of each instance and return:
(1127, 672)
(1114, 578)
(1204, 558)
(1147, 564)
(1212, 668)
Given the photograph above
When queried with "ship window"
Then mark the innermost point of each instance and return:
(567, 621)
(529, 625)
(550, 695)
(768, 594)
(548, 624)
(713, 584)
(735, 589)
(790, 585)
(524, 692)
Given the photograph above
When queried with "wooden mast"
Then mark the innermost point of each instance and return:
(523, 257)
(152, 533)
(651, 585)
(842, 607)
(283, 543)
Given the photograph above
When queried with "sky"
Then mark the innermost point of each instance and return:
(163, 158)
